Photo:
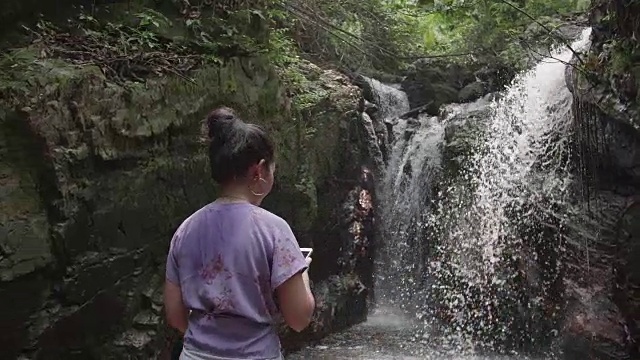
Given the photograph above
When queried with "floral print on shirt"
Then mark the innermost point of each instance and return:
(213, 269)
(221, 302)
(216, 275)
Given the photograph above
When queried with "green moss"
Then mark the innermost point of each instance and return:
(130, 119)
(621, 60)
(321, 100)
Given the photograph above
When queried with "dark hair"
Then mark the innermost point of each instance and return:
(235, 145)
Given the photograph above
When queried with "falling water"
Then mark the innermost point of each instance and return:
(415, 160)
(391, 101)
(471, 247)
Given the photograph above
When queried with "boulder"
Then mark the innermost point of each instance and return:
(433, 83)
(594, 327)
(627, 295)
(472, 91)
(601, 316)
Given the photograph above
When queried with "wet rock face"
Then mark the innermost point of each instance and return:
(602, 321)
(461, 136)
(593, 329)
(95, 177)
(624, 150)
(380, 107)
(628, 275)
(342, 298)
(601, 317)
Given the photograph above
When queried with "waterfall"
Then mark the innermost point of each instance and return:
(477, 244)
(499, 231)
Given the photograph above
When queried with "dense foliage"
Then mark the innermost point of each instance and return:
(355, 35)
(387, 34)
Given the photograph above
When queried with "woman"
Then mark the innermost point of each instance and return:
(233, 268)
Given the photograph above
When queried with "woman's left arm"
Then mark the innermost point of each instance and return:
(174, 308)
(175, 311)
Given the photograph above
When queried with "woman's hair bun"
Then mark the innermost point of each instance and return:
(219, 121)
(234, 145)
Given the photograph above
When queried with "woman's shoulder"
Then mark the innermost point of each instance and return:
(199, 217)
(268, 218)
(196, 216)
(205, 216)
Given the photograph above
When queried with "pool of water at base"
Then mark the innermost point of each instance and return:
(387, 335)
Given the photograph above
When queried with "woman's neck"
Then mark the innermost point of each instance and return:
(239, 195)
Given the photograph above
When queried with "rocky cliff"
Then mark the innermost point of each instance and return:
(98, 168)
(604, 313)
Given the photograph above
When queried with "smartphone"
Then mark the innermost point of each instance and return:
(306, 252)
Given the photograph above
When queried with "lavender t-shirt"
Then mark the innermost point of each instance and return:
(228, 259)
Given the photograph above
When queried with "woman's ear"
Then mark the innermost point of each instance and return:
(257, 171)
(262, 169)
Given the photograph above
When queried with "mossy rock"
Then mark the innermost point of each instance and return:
(85, 118)
(104, 172)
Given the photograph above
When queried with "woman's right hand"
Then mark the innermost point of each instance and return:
(296, 300)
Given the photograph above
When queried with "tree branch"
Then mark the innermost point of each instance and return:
(561, 38)
(309, 15)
